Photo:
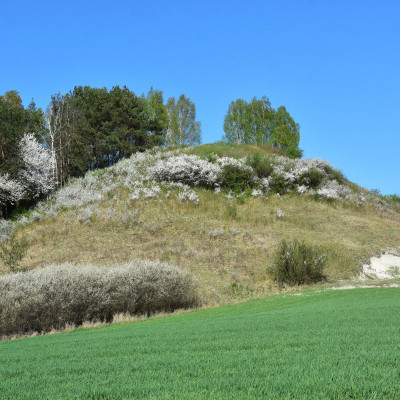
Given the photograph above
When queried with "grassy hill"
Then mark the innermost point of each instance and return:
(224, 235)
(317, 345)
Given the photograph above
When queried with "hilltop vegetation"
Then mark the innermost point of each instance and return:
(89, 128)
(218, 211)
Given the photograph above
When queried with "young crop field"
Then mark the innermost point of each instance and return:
(313, 345)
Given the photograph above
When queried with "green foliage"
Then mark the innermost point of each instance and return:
(278, 184)
(262, 167)
(257, 122)
(15, 121)
(312, 178)
(236, 178)
(286, 133)
(298, 263)
(332, 344)
(210, 156)
(12, 128)
(235, 122)
(336, 175)
(182, 129)
(294, 152)
(393, 197)
(13, 251)
(20, 211)
(91, 128)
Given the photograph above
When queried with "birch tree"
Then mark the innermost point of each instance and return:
(182, 127)
(257, 122)
(235, 122)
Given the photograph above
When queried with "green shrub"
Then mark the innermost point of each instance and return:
(297, 263)
(20, 211)
(294, 152)
(210, 156)
(393, 197)
(54, 296)
(278, 184)
(261, 167)
(13, 251)
(236, 178)
(312, 178)
(336, 175)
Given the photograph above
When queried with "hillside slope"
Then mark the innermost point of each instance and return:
(217, 210)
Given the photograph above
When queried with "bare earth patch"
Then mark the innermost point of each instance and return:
(365, 286)
(387, 266)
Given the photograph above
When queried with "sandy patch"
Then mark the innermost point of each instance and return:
(387, 266)
(365, 286)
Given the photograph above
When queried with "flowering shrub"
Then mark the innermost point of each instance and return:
(186, 169)
(334, 190)
(35, 176)
(156, 173)
(55, 296)
(38, 166)
(10, 190)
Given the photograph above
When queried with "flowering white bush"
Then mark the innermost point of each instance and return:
(189, 195)
(334, 190)
(187, 169)
(37, 173)
(55, 296)
(301, 189)
(156, 173)
(10, 190)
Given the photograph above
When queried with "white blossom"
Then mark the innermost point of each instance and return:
(10, 190)
(37, 174)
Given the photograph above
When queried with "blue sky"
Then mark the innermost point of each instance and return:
(335, 65)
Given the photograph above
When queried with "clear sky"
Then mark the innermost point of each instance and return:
(335, 65)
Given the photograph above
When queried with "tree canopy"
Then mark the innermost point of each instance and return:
(15, 121)
(257, 122)
(90, 128)
(183, 128)
(84, 129)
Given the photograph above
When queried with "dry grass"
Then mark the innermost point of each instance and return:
(226, 244)
(231, 263)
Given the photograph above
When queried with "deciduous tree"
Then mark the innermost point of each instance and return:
(257, 122)
(182, 129)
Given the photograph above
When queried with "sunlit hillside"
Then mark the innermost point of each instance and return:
(217, 210)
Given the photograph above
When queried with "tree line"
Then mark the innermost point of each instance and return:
(91, 128)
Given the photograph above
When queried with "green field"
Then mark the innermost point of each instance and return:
(316, 345)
